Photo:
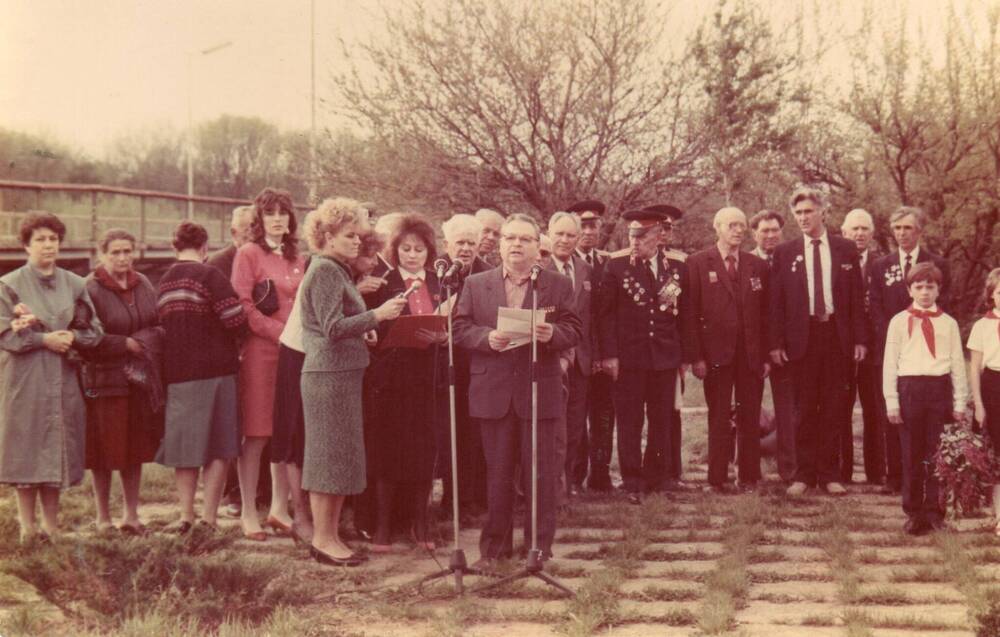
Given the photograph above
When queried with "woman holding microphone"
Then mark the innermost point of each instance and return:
(335, 328)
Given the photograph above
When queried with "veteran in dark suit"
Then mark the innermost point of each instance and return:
(866, 379)
(600, 394)
(639, 316)
(817, 325)
(725, 334)
(564, 232)
(888, 296)
(500, 386)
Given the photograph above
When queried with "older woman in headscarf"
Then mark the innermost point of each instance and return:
(45, 313)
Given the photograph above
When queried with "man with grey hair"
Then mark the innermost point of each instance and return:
(492, 221)
(817, 326)
(565, 231)
(888, 295)
(725, 335)
(866, 378)
(239, 233)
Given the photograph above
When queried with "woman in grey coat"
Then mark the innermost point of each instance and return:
(45, 313)
(335, 328)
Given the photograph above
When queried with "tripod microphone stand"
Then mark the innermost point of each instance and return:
(457, 565)
(534, 565)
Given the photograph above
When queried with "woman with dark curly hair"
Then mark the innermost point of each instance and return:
(203, 319)
(122, 430)
(266, 276)
(45, 312)
(402, 450)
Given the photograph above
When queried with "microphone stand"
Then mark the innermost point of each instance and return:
(457, 565)
(534, 565)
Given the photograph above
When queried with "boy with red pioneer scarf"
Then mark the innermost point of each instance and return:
(923, 380)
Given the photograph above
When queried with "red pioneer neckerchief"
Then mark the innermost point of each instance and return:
(926, 327)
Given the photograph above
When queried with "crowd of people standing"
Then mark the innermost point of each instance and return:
(265, 353)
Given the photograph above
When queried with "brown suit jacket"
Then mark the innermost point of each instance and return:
(501, 380)
(718, 308)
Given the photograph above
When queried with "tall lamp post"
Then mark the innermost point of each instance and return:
(190, 122)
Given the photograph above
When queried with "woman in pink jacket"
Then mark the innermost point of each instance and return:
(266, 275)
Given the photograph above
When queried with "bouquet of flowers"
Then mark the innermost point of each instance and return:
(966, 468)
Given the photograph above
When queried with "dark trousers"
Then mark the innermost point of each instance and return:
(821, 387)
(786, 419)
(720, 383)
(866, 382)
(891, 443)
(925, 404)
(600, 440)
(507, 442)
(576, 427)
(990, 389)
(644, 395)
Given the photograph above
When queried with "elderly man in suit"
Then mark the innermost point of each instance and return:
(564, 231)
(726, 336)
(817, 325)
(600, 395)
(866, 376)
(767, 227)
(491, 221)
(641, 307)
(888, 296)
(500, 386)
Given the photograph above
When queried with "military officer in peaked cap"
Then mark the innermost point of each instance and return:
(600, 401)
(641, 307)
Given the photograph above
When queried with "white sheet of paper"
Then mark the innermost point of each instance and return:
(446, 307)
(517, 322)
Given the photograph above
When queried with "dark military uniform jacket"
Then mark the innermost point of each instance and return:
(639, 320)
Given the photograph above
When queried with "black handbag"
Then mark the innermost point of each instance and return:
(265, 297)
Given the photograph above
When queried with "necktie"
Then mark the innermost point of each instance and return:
(770, 261)
(649, 270)
(590, 258)
(568, 271)
(819, 302)
(992, 314)
(925, 325)
(731, 267)
(906, 266)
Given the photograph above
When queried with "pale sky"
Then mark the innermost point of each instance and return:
(83, 72)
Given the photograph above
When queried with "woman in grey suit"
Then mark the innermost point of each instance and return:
(336, 332)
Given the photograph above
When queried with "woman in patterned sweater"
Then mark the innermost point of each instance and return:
(203, 320)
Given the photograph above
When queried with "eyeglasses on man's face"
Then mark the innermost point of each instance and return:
(518, 238)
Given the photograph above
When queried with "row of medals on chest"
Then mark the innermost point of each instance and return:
(666, 297)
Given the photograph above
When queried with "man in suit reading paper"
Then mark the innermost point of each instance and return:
(500, 385)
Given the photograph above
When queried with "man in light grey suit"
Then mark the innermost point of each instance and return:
(564, 231)
(500, 385)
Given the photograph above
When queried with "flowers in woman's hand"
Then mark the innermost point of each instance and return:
(23, 318)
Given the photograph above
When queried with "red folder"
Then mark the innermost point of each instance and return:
(403, 332)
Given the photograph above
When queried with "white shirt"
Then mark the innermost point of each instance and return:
(913, 261)
(291, 336)
(422, 275)
(908, 355)
(583, 255)
(566, 268)
(863, 258)
(827, 264)
(983, 338)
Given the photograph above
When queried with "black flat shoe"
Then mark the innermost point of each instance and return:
(326, 558)
(183, 528)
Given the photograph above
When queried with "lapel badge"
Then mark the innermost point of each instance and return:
(586, 286)
(755, 284)
(796, 262)
(847, 266)
(713, 277)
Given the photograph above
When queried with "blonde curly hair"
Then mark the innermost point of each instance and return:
(331, 216)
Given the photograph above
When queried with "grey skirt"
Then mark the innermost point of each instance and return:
(335, 445)
(202, 423)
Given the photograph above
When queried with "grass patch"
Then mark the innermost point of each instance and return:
(595, 605)
(883, 597)
(661, 594)
(818, 620)
(104, 582)
(924, 574)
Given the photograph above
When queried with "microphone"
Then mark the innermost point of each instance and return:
(440, 266)
(413, 288)
(535, 271)
(456, 267)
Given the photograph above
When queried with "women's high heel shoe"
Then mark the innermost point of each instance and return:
(326, 558)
